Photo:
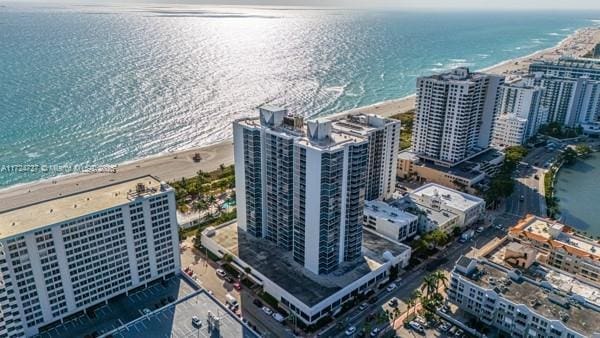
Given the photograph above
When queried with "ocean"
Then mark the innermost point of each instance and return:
(83, 86)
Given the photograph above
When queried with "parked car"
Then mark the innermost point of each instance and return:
(257, 302)
(445, 327)
(221, 273)
(268, 311)
(229, 279)
(393, 302)
(374, 332)
(416, 326)
(391, 287)
(278, 317)
(237, 286)
(196, 321)
(363, 306)
(479, 230)
(146, 311)
(350, 331)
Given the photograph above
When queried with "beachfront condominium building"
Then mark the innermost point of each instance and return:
(383, 135)
(560, 247)
(520, 113)
(534, 302)
(301, 186)
(570, 101)
(61, 256)
(568, 67)
(454, 115)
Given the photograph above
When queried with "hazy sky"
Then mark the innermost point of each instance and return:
(429, 4)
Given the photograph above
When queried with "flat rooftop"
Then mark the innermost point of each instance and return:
(30, 217)
(542, 301)
(383, 210)
(278, 265)
(438, 217)
(335, 140)
(450, 197)
(175, 320)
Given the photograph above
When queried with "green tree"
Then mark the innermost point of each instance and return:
(583, 150)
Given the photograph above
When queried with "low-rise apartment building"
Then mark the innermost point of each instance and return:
(560, 247)
(390, 221)
(468, 208)
(525, 303)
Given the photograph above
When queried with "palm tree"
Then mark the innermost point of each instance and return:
(428, 286)
(414, 298)
(211, 200)
(440, 278)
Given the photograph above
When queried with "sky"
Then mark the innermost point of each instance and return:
(402, 4)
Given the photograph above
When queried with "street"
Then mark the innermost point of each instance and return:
(409, 282)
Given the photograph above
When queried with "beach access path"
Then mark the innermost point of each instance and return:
(174, 166)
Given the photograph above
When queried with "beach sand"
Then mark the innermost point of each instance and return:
(169, 167)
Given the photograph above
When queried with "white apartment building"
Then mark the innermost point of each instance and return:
(454, 115)
(570, 101)
(468, 208)
(61, 256)
(390, 221)
(521, 305)
(301, 186)
(383, 135)
(509, 130)
(520, 114)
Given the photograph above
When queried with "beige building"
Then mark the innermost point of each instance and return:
(560, 247)
(466, 176)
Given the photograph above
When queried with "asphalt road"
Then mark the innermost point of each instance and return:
(411, 280)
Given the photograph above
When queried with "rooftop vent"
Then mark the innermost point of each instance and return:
(140, 188)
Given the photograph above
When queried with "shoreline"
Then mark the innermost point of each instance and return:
(175, 165)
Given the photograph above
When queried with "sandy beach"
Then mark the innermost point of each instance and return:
(169, 167)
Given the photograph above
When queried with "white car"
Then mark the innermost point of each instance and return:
(363, 306)
(278, 317)
(391, 287)
(146, 311)
(374, 332)
(196, 321)
(416, 326)
(221, 273)
(479, 230)
(350, 331)
(268, 311)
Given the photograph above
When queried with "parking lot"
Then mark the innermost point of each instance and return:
(121, 309)
(175, 321)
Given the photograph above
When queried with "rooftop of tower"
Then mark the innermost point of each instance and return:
(33, 216)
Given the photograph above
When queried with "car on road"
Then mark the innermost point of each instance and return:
(350, 331)
(479, 230)
(445, 327)
(372, 300)
(522, 198)
(257, 302)
(221, 273)
(374, 332)
(196, 321)
(363, 306)
(278, 317)
(391, 287)
(268, 311)
(416, 326)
